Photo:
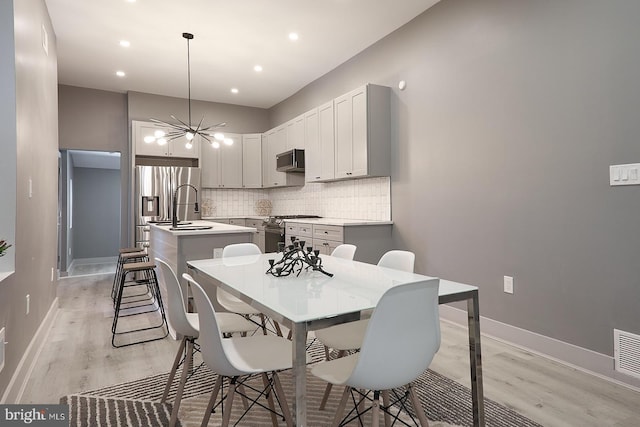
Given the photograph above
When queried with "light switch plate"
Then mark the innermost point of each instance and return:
(628, 174)
(508, 284)
(2, 344)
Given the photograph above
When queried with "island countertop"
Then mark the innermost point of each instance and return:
(199, 227)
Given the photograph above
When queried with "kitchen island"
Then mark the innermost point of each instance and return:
(193, 240)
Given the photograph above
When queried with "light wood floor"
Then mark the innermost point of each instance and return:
(78, 356)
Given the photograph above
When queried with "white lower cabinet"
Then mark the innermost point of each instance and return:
(372, 240)
(258, 238)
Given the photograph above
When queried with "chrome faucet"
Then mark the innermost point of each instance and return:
(174, 219)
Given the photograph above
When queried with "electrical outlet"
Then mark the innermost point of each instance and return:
(28, 303)
(53, 272)
(508, 284)
(217, 252)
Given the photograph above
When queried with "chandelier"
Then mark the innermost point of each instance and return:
(187, 130)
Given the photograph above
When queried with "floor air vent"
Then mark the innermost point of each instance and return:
(626, 349)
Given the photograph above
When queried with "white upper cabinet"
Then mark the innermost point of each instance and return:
(252, 160)
(295, 133)
(174, 148)
(326, 136)
(274, 142)
(363, 133)
(312, 150)
(222, 167)
(319, 139)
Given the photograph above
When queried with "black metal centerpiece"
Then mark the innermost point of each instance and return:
(294, 258)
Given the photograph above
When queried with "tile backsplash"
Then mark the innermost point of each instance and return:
(354, 199)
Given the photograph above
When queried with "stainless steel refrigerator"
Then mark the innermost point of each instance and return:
(154, 190)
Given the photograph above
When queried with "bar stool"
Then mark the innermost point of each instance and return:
(147, 276)
(126, 255)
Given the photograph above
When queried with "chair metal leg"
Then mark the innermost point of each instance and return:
(183, 379)
(283, 400)
(343, 403)
(212, 401)
(226, 416)
(274, 417)
(417, 407)
(375, 413)
(385, 403)
(174, 367)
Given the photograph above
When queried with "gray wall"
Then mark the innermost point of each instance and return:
(512, 114)
(7, 135)
(96, 212)
(36, 140)
(92, 119)
(239, 119)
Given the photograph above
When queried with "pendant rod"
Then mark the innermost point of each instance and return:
(188, 36)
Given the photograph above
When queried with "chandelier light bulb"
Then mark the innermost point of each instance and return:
(228, 141)
(159, 133)
(219, 136)
(189, 136)
(162, 141)
(215, 144)
(149, 139)
(188, 145)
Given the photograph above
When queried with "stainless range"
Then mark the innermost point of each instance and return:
(274, 230)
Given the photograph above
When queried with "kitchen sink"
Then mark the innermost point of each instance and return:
(191, 228)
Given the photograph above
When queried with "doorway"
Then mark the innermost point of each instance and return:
(89, 212)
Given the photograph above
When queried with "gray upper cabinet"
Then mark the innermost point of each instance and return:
(363, 133)
(222, 167)
(252, 160)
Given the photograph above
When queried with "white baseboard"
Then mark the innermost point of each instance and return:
(99, 260)
(15, 389)
(585, 360)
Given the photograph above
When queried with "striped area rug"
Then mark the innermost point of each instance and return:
(446, 402)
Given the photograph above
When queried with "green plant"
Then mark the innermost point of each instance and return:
(3, 247)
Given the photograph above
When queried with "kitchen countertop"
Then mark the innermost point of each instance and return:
(343, 222)
(213, 218)
(216, 228)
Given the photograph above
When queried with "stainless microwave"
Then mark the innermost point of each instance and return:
(290, 161)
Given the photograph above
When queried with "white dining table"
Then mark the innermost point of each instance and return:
(313, 301)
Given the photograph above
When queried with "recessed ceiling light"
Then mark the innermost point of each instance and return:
(131, 1)
(120, 73)
(234, 90)
(257, 68)
(293, 36)
(125, 43)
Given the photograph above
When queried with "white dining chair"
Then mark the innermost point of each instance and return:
(411, 308)
(345, 250)
(231, 302)
(348, 336)
(187, 325)
(236, 359)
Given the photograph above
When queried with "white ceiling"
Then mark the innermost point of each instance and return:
(230, 38)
